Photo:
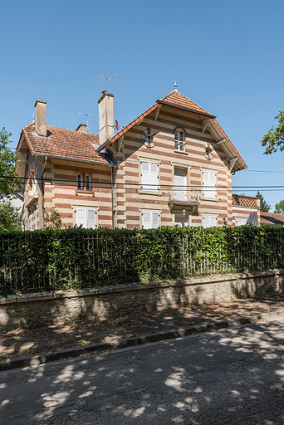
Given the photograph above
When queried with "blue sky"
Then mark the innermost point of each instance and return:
(225, 55)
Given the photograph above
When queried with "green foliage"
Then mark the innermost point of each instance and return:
(279, 207)
(9, 217)
(52, 220)
(8, 183)
(52, 260)
(274, 139)
(264, 207)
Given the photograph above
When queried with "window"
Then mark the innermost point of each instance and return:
(148, 139)
(88, 182)
(150, 219)
(80, 181)
(180, 184)
(180, 140)
(149, 176)
(209, 179)
(208, 151)
(209, 221)
(31, 223)
(86, 217)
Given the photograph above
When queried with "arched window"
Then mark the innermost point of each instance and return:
(180, 140)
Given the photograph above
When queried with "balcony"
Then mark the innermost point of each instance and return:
(180, 199)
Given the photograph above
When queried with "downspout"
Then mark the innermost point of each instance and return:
(112, 201)
(42, 186)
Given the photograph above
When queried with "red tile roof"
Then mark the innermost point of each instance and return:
(245, 201)
(271, 219)
(177, 99)
(64, 143)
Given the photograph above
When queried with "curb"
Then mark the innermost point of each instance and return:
(37, 360)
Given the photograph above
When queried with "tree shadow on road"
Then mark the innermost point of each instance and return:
(230, 377)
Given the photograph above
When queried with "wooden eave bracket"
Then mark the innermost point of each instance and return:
(220, 142)
(232, 163)
(157, 112)
(205, 123)
(119, 143)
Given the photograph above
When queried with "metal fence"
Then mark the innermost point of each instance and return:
(77, 258)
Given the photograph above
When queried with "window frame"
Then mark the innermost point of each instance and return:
(179, 143)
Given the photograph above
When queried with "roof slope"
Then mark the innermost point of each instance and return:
(177, 99)
(271, 218)
(63, 143)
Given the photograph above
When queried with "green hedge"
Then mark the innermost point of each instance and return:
(79, 258)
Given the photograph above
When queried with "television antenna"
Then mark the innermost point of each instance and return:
(107, 77)
(86, 115)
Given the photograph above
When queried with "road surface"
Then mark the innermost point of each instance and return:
(234, 376)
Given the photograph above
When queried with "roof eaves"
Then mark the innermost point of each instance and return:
(194, 111)
(73, 159)
(128, 127)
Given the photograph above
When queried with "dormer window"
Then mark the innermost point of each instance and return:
(180, 140)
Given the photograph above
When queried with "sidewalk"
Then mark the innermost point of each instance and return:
(26, 342)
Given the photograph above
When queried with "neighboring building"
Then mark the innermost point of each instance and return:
(271, 219)
(171, 165)
(243, 207)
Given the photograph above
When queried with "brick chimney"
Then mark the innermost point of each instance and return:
(106, 127)
(40, 118)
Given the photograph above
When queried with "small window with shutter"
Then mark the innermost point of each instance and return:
(209, 183)
(149, 176)
(150, 219)
(86, 218)
(209, 221)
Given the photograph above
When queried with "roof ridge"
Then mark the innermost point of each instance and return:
(69, 129)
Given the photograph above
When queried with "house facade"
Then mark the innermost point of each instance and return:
(172, 165)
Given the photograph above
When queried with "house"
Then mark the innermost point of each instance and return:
(271, 219)
(172, 165)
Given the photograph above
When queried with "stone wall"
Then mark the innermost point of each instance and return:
(48, 308)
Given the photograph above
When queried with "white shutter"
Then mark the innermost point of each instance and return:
(36, 222)
(180, 183)
(91, 219)
(209, 184)
(81, 217)
(149, 175)
(209, 221)
(155, 220)
(146, 219)
(206, 221)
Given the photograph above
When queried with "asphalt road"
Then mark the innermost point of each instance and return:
(234, 376)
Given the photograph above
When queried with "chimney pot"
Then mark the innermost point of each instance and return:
(40, 118)
(82, 128)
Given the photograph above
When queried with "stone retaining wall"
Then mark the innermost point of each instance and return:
(56, 307)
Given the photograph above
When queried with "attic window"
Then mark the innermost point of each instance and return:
(180, 139)
(148, 139)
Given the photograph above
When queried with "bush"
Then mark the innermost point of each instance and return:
(49, 260)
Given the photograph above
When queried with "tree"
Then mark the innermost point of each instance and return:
(264, 207)
(279, 208)
(52, 220)
(274, 139)
(9, 217)
(8, 183)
